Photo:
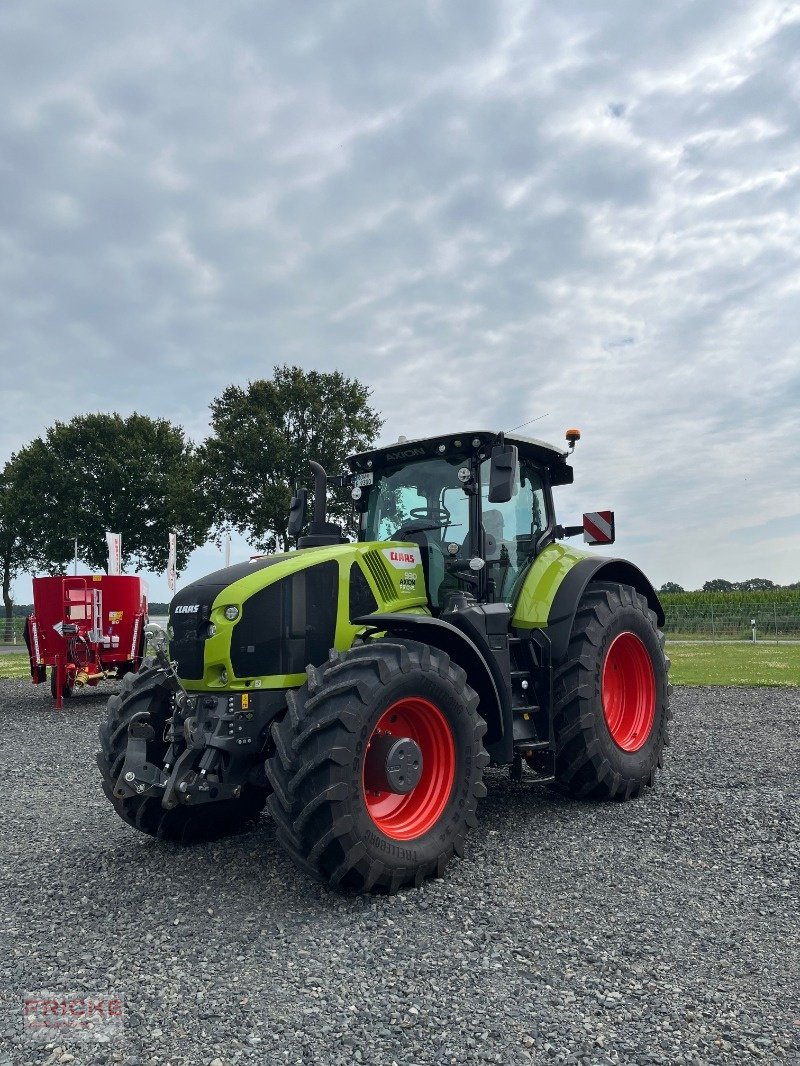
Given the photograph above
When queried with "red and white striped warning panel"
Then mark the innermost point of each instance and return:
(598, 527)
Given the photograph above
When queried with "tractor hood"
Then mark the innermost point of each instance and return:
(259, 624)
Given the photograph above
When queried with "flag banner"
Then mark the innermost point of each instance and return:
(114, 542)
(171, 562)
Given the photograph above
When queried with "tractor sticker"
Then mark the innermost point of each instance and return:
(187, 608)
(408, 582)
(115, 616)
(403, 558)
(360, 480)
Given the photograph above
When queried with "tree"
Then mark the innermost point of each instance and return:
(671, 586)
(756, 584)
(263, 438)
(14, 536)
(719, 584)
(135, 476)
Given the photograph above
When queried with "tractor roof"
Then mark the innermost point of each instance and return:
(449, 443)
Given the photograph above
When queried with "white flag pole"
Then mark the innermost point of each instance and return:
(227, 551)
(171, 563)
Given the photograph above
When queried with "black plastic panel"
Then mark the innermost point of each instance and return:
(362, 600)
(288, 624)
(228, 574)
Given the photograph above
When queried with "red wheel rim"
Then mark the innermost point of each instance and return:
(628, 692)
(409, 816)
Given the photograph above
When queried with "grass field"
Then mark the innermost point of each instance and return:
(15, 666)
(734, 664)
(692, 664)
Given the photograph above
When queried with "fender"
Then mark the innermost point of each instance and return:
(565, 604)
(478, 662)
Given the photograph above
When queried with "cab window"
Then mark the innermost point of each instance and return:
(512, 530)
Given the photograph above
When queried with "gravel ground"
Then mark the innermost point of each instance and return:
(658, 931)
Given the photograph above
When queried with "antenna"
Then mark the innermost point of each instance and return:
(530, 420)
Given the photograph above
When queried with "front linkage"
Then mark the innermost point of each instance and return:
(165, 751)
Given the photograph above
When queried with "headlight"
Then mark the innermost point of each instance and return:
(231, 613)
(223, 676)
(210, 629)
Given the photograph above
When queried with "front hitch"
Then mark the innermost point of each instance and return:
(213, 747)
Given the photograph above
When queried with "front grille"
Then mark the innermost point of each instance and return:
(377, 567)
(186, 646)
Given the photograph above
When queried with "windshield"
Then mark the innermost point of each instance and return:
(427, 493)
(426, 500)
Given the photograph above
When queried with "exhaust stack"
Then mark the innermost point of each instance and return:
(320, 530)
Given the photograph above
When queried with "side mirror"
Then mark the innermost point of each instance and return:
(598, 527)
(503, 473)
(297, 512)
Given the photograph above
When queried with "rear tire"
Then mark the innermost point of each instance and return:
(611, 696)
(146, 690)
(330, 820)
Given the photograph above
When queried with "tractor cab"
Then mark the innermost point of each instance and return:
(477, 504)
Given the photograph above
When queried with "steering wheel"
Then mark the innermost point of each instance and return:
(432, 514)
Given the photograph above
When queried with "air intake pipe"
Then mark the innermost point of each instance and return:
(320, 493)
(320, 530)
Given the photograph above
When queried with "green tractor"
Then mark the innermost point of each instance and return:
(359, 689)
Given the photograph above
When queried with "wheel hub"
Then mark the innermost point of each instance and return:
(393, 764)
(416, 729)
(628, 692)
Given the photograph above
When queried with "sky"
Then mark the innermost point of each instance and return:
(487, 211)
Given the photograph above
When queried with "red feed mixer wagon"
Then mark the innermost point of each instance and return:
(86, 628)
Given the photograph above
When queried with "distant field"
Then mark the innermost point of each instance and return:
(692, 664)
(734, 664)
(729, 615)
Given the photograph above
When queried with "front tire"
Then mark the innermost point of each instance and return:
(149, 691)
(340, 822)
(611, 696)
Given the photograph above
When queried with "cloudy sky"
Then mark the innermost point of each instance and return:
(488, 211)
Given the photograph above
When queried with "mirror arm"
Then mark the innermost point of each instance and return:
(567, 531)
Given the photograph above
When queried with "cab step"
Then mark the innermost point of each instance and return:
(522, 747)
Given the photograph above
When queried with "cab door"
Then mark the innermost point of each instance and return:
(512, 531)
